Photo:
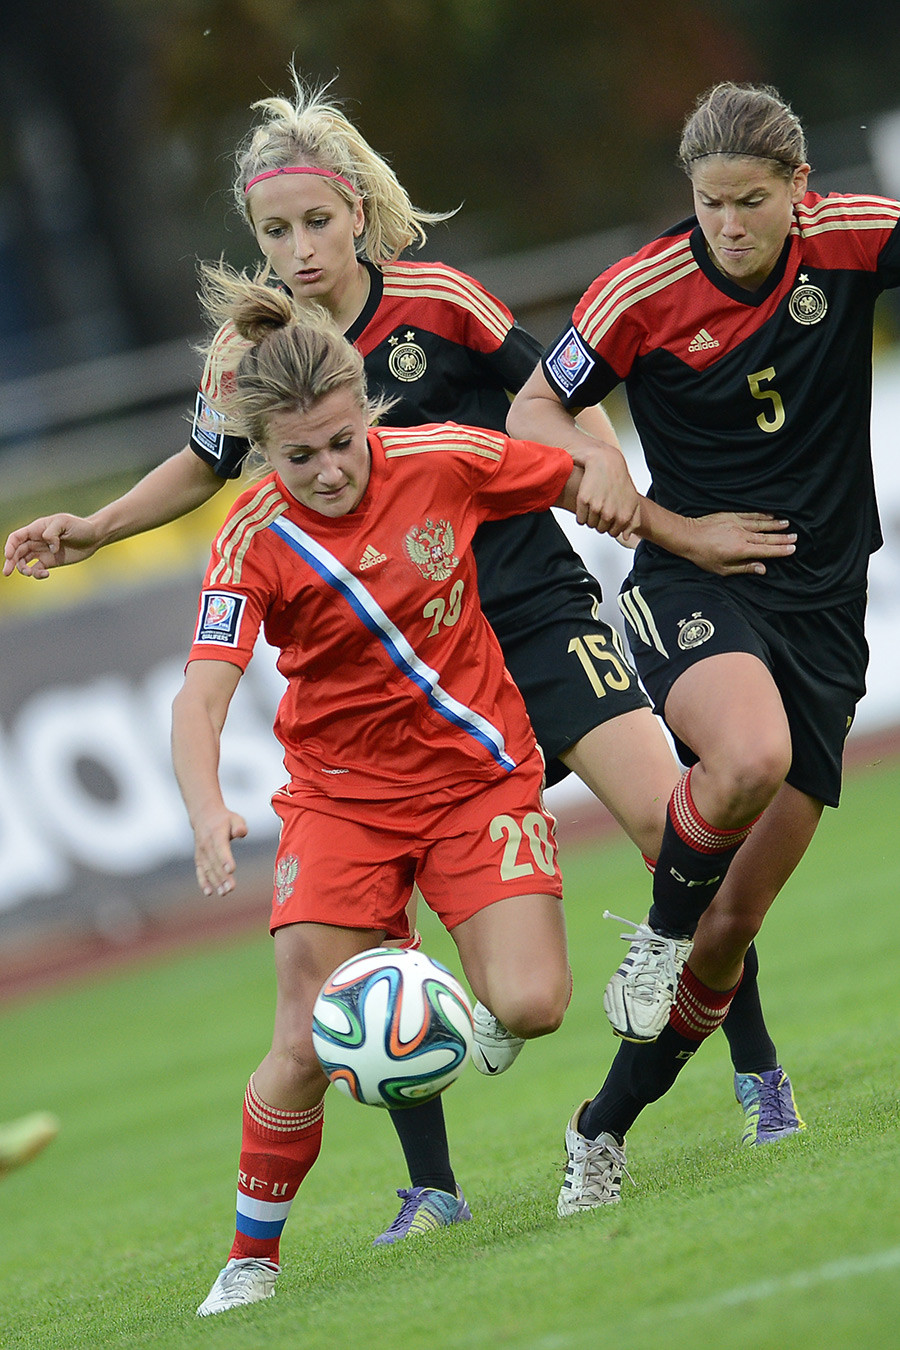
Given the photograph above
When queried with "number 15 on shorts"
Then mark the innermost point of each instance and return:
(603, 664)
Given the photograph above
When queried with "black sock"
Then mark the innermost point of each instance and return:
(693, 859)
(684, 884)
(422, 1132)
(752, 1048)
(639, 1075)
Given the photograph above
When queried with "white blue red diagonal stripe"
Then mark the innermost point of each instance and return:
(402, 654)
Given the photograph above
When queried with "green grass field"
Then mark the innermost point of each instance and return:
(113, 1235)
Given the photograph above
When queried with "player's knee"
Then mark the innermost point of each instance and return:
(770, 762)
(748, 778)
(533, 1008)
(296, 1063)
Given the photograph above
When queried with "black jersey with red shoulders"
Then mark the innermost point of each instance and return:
(435, 340)
(751, 399)
(441, 345)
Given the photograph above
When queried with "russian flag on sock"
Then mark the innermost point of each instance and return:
(261, 1219)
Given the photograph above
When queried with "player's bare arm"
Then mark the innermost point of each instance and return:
(179, 485)
(198, 715)
(726, 542)
(607, 498)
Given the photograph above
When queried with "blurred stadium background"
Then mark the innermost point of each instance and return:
(556, 133)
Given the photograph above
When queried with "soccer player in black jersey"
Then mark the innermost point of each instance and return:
(744, 338)
(331, 218)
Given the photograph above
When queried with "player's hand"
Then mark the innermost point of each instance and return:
(730, 543)
(51, 541)
(607, 501)
(213, 857)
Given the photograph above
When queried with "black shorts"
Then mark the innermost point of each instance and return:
(573, 674)
(817, 659)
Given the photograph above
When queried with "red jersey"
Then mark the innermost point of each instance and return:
(445, 350)
(396, 684)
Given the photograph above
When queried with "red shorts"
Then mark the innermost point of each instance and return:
(356, 869)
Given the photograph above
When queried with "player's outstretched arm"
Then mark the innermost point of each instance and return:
(177, 486)
(49, 541)
(607, 498)
(198, 715)
(727, 542)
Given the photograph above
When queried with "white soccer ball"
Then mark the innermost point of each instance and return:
(392, 1027)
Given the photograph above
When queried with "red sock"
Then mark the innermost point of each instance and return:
(277, 1150)
(699, 1011)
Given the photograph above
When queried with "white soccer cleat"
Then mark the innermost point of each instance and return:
(243, 1280)
(639, 997)
(593, 1170)
(493, 1048)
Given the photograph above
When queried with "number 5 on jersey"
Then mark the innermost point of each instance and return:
(773, 418)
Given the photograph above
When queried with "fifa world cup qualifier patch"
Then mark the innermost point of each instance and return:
(208, 428)
(220, 618)
(570, 362)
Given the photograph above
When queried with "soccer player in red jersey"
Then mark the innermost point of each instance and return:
(332, 219)
(744, 339)
(409, 750)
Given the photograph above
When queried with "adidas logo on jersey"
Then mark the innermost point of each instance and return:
(370, 557)
(702, 342)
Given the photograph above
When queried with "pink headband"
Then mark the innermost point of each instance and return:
(323, 173)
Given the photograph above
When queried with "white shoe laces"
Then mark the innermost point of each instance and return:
(655, 956)
(238, 1282)
(599, 1163)
(244, 1273)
